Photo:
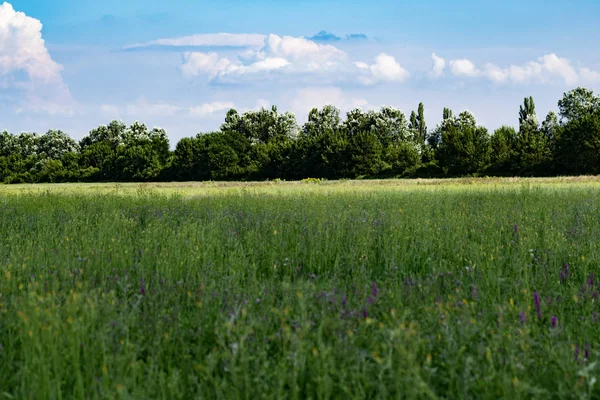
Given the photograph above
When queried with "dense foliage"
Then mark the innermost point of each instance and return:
(335, 290)
(266, 144)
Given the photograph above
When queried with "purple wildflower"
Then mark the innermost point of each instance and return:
(522, 318)
(369, 300)
(516, 229)
(554, 322)
(344, 302)
(143, 287)
(365, 313)
(374, 290)
(577, 351)
(586, 351)
(538, 307)
(591, 280)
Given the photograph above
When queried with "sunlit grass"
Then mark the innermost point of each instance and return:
(404, 289)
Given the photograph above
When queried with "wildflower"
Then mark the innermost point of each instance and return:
(577, 351)
(516, 229)
(538, 307)
(143, 287)
(374, 290)
(365, 313)
(591, 280)
(554, 322)
(586, 351)
(344, 302)
(522, 318)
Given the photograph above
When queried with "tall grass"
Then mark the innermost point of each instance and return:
(300, 291)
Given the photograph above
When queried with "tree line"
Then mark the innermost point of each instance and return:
(267, 144)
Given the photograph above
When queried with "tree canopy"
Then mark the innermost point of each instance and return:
(266, 144)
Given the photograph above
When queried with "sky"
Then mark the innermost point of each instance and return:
(181, 65)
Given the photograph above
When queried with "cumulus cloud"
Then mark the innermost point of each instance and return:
(205, 40)
(439, 64)
(296, 59)
(463, 67)
(27, 67)
(197, 63)
(546, 69)
(387, 69)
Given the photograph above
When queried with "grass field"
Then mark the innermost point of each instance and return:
(388, 289)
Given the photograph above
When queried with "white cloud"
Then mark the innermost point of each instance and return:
(439, 65)
(301, 50)
(589, 75)
(211, 108)
(27, 67)
(387, 69)
(208, 40)
(546, 69)
(463, 67)
(142, 108)
(196, 63)
(295, 60)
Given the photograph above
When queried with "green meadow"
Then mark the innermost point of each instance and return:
(420, 289)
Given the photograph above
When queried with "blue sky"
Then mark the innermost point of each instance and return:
(181, 64)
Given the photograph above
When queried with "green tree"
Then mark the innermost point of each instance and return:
(55, 143)
(321, 148)
(578, 148)
(465, 148)
(503, 156)
(532, 149)
(578, 103)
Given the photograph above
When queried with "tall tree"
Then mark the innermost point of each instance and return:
(421, 122)
(532, 149)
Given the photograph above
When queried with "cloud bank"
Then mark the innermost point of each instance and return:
(547, 69)
(295, 59)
